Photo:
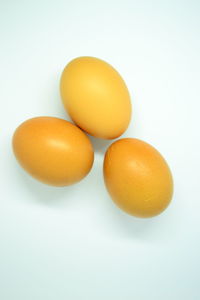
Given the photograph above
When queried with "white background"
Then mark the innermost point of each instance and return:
(73, 243)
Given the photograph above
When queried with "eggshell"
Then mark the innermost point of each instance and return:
(96, 97)
(53, 150)
(137, 177)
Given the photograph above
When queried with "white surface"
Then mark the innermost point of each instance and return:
(73, 243)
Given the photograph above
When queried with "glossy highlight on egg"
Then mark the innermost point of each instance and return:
(53, 150)
(137, 177)
(96, 97)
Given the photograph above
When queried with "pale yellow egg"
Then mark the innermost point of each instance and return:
(96, 97)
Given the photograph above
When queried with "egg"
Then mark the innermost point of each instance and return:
(137, 177)
(53, 150)
(96, 97)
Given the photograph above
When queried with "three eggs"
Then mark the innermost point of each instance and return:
(59, 153)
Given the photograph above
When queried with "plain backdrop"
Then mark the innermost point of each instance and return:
(74, 243)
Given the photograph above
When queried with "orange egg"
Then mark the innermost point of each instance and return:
(137, 177)
(53, 150)
(96, 97)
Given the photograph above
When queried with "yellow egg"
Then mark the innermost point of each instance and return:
(96, 97)
(53, 150)
(137, 177)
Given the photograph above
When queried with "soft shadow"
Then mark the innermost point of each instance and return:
(130, 227)
(100, 145)
(39, 192)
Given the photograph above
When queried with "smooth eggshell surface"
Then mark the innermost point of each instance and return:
(137, 177)
(53, 150)
(96, 97)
